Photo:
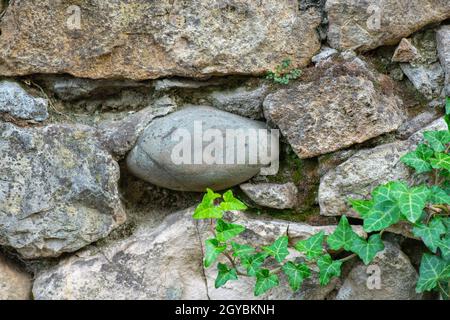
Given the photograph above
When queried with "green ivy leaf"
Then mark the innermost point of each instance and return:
(413, 201)
(444, 245)
(213, 249)
(328, 269)
(342, 237)
(446, 222)
(414, 160)
(367, 250)
(361, 206)
(439, 196)
(441, 161)
(227, 231)
(241, 250)
(253, 263)
(312, 247)
(382, 216)
(230, 203)
(296, 273)
(431, 233)
(437, 139)
(206, 209)
(424, 151)
(388, 193)
(224, 275)
(265, 281)
(432, 271)
(278, 249)
(447, 105)
(385, 211)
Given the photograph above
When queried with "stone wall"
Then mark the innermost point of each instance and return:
(92, 205)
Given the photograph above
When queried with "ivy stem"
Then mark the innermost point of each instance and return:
(348, 257)
(233, 263)
(276, 270)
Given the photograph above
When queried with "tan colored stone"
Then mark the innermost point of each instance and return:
(405, 52)
(343, 104)
(366, 25)
(140, 39)
(165, 262)
(14, 284)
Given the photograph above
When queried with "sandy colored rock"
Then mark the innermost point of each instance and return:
(142, 39)
(14, 283)
(405, 52)
(342, 105)
(365, 25)
(166, 263)
(397, 276)
(361, 173)
(272, 195)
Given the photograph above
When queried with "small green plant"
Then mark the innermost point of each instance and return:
(425, 207)
(283, 73)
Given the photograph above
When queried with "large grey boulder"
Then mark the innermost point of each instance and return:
(397, 278)
(336, 105)
(443, 47)
(173, 153)
(365, 170)
(58, 189)
(15, 101)
(165, 262)
(365, 25)
(15, 284)
(141, 39)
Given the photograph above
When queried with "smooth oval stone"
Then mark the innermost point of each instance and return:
(152, 157)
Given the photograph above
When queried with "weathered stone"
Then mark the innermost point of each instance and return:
(181, 83)
(241, 101)
(69, 89)
(398, 278)
(365, 25)
(58, 190)
(426, 45)
(166, 263)
(397, 74)
(271, 195)
(15, 101)
(140, 40)
(427, 79)
(418, 122)
(356, 177)
(159, 156)
(405, 52)
(332, 160)
(14, 283)
(119, 137)
(342, 105)
(443, 46)
(324, 54)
